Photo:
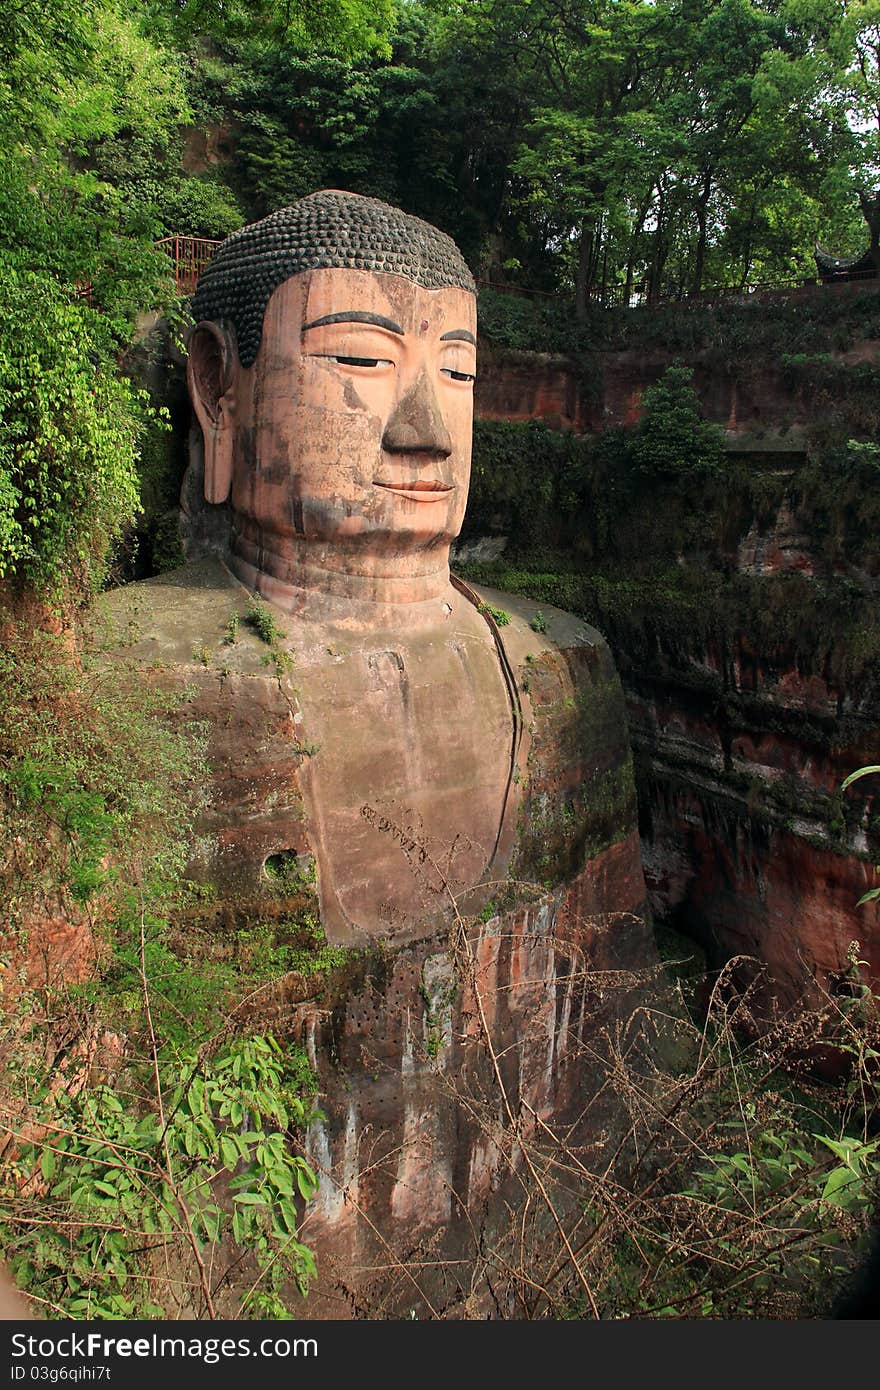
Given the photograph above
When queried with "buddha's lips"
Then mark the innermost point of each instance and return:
(428, 490)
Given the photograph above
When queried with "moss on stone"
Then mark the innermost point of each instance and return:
(561, 830)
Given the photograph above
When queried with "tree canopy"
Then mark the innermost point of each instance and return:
(614, 149)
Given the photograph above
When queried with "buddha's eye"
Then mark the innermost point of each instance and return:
(457, 376)
(360, 361)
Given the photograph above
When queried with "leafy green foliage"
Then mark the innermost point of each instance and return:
(543, 323)
(68, 450)
(184, 1139)
(551, 491)
(500, 616)
(345, 26)
(736, 335)
(520, 480)
(101, 81)
(126, 1186)
(164, 199)
(260, 617)
(77, 265)
(661, 148)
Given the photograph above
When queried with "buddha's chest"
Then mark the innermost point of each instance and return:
(408, 780)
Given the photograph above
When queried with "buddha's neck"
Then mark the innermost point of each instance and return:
(336, 585)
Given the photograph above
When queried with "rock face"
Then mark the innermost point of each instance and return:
(768, 410)
(447, 1016)
(749, 706)
(747, 842)
(530, 386)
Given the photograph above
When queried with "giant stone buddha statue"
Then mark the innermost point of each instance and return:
(428, 762)
(332, 374)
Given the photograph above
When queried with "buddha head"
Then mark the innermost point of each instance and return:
(331, 369)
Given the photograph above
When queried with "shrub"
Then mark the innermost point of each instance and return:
(672, 440)
(112, 1193)
(69, 443)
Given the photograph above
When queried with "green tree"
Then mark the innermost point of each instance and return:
(854, 102)
(68, 447)
(672, 440)
(346, 27)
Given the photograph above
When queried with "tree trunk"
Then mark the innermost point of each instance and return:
(702, 211)
(638, 227)
(585, 267)
(749, 250)
(659, 258)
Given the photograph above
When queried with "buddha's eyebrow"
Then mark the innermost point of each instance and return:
(459, 334)
(355, 316)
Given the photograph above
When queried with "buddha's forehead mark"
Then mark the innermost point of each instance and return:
(356, 316)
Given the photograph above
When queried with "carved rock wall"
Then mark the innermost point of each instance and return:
(530, 386)
(763, 410)
(743, 845)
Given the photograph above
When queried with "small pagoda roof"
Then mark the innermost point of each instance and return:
(832, 267)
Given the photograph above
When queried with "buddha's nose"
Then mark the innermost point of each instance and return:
(416, 426)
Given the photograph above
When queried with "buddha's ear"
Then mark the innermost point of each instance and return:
(212, 375)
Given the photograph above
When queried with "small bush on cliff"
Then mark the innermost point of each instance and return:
(673, 442)
(182, 1153)
(260, 617)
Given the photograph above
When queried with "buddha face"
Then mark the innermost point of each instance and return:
(353, 427)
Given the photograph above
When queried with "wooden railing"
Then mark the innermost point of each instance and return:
(190, 255)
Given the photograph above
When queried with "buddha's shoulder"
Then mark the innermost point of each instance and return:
(569, 689)
(176, 617)
(529, 630)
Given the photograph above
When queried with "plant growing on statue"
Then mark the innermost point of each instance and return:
(501, 617)
(260, 617)
(280, 661)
